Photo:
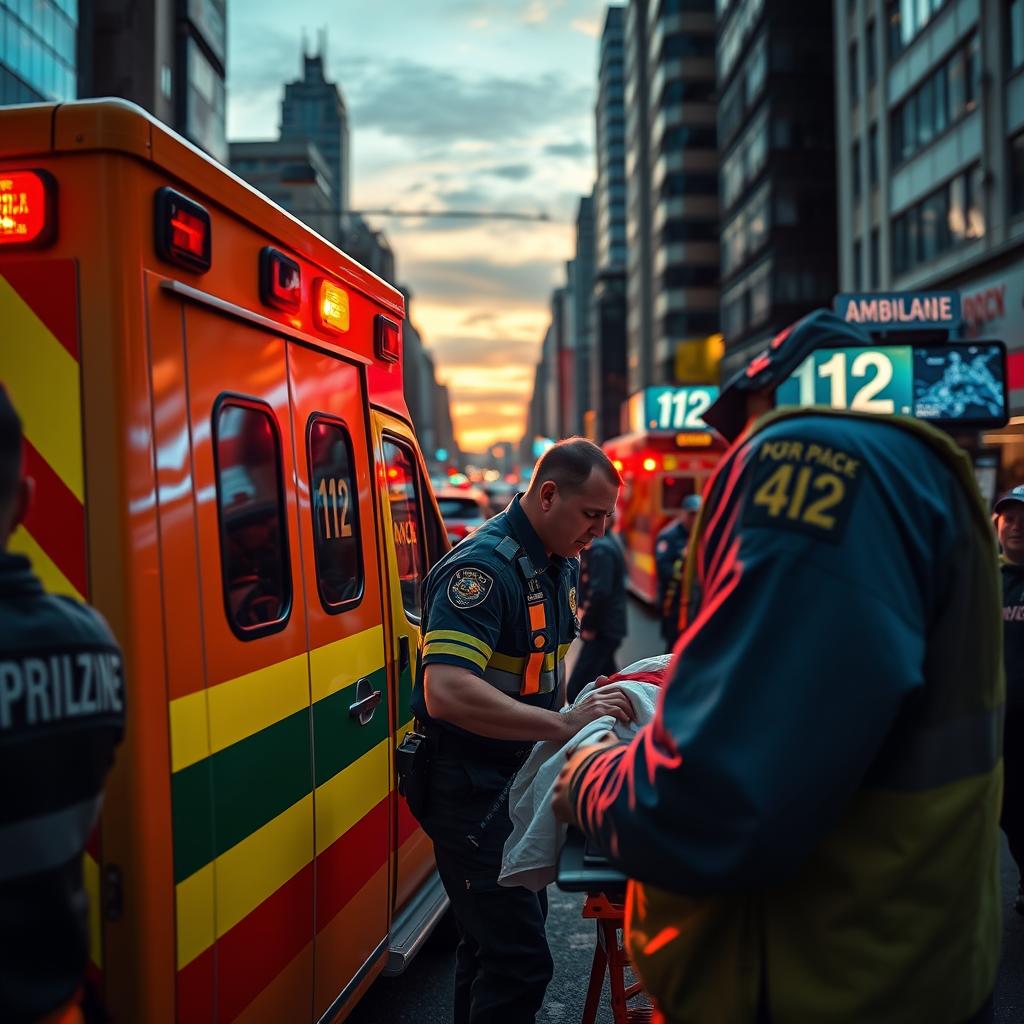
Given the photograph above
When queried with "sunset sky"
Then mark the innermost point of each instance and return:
(453, 104)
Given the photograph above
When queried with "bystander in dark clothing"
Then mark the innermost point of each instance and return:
(603, 608)
(670, 561)
(1010, 526)
(61, 717)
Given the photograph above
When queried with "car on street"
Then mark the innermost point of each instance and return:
(463, 509)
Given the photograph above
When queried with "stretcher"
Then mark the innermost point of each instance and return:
(582, 869)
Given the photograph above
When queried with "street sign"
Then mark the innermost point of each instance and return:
(958, 383)
(670, 408)
(900, 311)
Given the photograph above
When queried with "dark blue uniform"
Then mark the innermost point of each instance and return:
(498, 606)
(61, 716)
(603, 589)
(669, 551)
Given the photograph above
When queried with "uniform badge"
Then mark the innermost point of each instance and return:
(469, 587)
(572, 600)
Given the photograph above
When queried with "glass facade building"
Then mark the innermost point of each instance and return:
(38, 43)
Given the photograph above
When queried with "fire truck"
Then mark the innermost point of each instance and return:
(214, 417)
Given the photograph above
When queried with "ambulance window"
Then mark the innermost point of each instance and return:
(250, 502)
(334, 502)
(401, 480)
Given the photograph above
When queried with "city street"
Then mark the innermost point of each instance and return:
(423, 994)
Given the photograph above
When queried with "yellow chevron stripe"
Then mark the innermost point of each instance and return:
(339, 664)
(207, 721)
(457, 651)
(254, 869)
(43, 380)
(462, 638)
(52, 578)
(193, 900)
(350, 795)
(91, 880)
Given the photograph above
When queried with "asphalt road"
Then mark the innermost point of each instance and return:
(423, 994)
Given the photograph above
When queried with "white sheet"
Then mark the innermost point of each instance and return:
(531, 851)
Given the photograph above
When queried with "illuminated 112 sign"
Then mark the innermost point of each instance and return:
(878, 380)
(677, 408)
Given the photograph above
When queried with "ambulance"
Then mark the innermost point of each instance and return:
(667, 453)
(225, 467)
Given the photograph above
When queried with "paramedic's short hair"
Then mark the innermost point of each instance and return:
(569, 464)
(10, 448)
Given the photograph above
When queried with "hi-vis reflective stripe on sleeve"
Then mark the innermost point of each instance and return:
(457, 651)
(459, 637)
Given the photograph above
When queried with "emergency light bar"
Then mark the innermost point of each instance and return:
(182, 231)
(28, 209)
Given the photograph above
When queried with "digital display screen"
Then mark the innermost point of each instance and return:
(955, 383)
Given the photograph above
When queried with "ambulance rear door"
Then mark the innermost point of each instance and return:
(351, 712)
(240, 710)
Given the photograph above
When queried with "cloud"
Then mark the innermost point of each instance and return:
(513, 172)
(517, 357)
(586, 26)
(454, 280)
(569, 150)
(405, 99)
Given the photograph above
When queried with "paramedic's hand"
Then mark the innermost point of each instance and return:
(560, 797)
(608, 700)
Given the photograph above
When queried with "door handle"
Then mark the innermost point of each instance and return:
(367, 699)
(403, 652)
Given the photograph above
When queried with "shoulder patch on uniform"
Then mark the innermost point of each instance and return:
(572, 600)
(469, 587)
(803, 485)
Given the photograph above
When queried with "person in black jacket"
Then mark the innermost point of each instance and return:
(603, 611)
(670, 562)
(61, 716)
(1009, 512)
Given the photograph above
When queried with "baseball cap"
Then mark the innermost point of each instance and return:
(691, 503)
(1017, 494)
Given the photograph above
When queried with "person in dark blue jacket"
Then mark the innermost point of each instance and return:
(61, 717)
(670, 560)
(1009, 512)
(602, 611)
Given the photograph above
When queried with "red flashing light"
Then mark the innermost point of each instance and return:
(280, 280)
(387, 339)
(650, 464)
(182, 231)
(28, 209)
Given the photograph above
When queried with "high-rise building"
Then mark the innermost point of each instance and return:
(608, 297)
(930, 142)
(313, 108)
(778, 195)
(672, 184)
(294, 174)
(169, 56)
(582, 290)
(38, 51)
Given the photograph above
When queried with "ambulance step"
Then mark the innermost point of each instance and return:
(414, 924)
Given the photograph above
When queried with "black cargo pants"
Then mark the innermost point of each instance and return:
(502, 964)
